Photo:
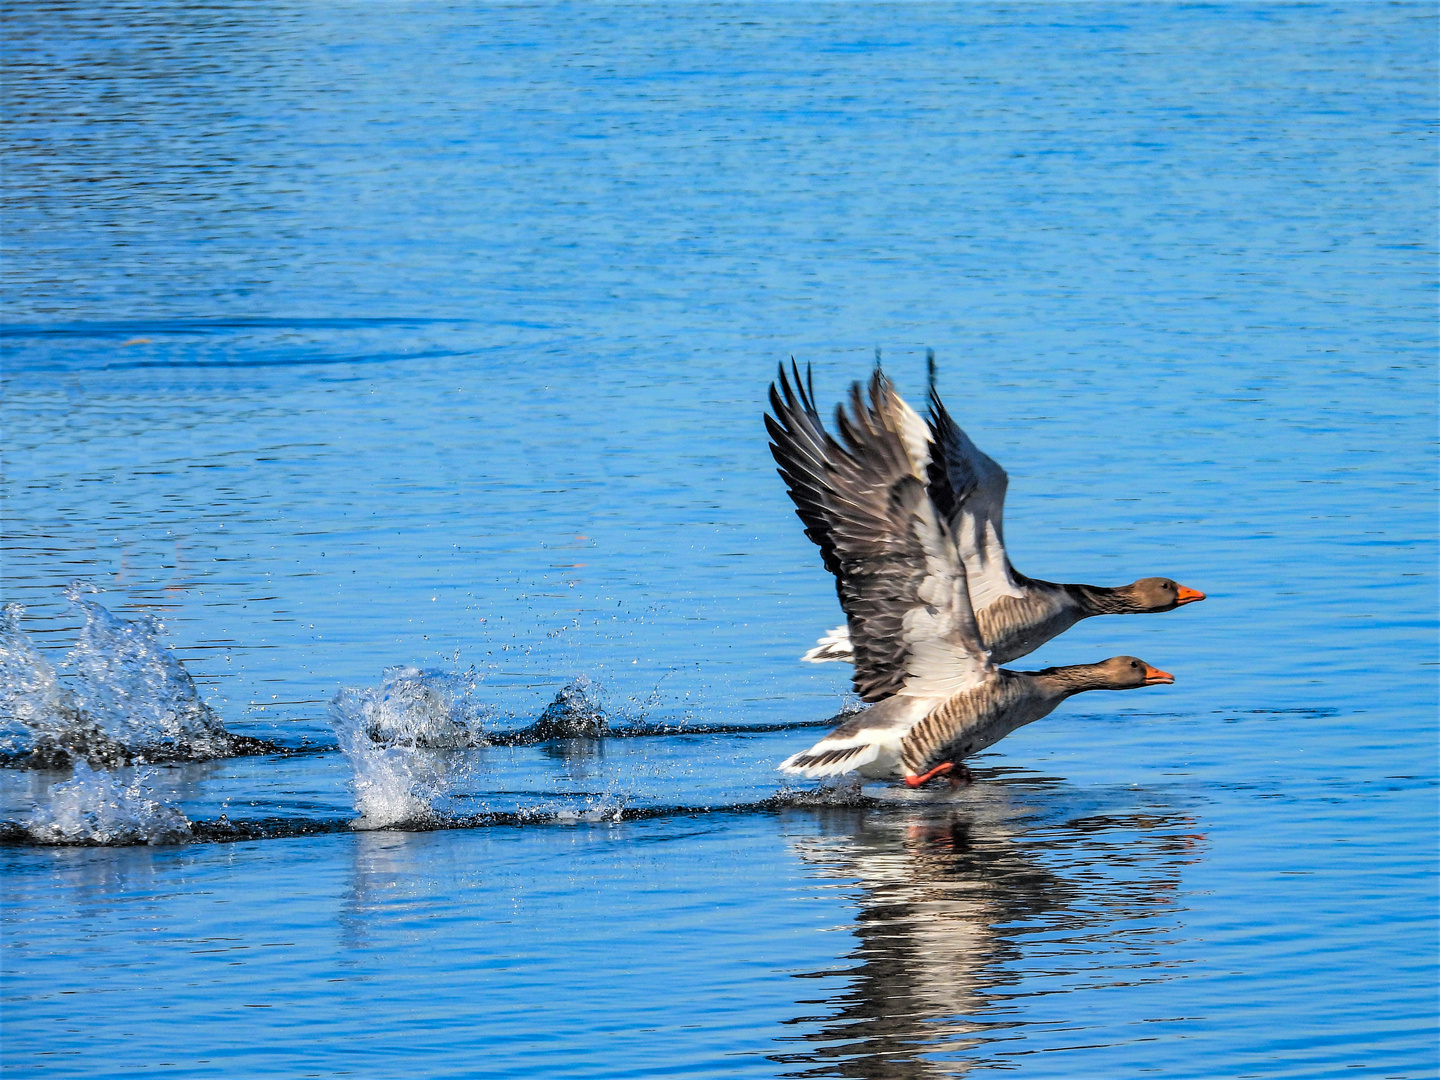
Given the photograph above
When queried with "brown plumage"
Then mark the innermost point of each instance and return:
(889, 503)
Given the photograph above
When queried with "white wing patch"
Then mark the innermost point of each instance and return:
(979, 485)
(914, 434)
(833, 646)
(986, 565)
(943, 651)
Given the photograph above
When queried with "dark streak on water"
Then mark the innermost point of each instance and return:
(249, 746)
(226, 831)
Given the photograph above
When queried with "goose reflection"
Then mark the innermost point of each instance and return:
(964, 905)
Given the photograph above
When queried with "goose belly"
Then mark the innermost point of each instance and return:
(972, 721)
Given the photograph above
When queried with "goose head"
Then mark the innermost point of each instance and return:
(1126, 673)
(1153, 594)
(1117, 673)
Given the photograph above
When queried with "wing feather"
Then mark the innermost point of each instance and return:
(969, 492)
(865, 500)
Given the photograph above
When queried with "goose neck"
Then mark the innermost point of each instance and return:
(1099, 600)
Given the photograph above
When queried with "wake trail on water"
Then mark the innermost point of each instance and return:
(120, 697)
(129, 700)
(390, 733)
(407, 741)
(98, 812)
(441, 710)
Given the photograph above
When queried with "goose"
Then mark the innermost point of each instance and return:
(887, 531)
(1016, 614)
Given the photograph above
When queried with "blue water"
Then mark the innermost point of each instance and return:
(343, 337)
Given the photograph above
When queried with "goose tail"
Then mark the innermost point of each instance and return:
(831, 757)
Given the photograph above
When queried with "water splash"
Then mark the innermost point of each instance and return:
(96, 808)
(395, 736)
(128, 699)
(402, 740)
(39, 720)
(136, 688)
(576, 713)
(437, 710)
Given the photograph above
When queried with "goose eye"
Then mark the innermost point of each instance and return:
(1133, 664)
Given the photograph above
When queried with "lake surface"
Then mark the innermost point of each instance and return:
(350, 339)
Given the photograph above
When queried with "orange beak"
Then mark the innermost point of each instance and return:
(1187, 595)
(1155, 677)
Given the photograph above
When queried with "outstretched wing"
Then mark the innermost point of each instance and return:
(968, 488)
(864, 501)
(799, 435)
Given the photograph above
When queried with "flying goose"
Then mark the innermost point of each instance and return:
(1016, 614)
(886, 529)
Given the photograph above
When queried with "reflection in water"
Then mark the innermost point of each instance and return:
(388, 885)
(577, 755)
(960, 899)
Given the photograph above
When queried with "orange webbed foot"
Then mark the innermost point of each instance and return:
(939, 770)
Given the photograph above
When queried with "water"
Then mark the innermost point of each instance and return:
(402, 368)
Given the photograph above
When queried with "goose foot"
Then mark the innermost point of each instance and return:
(939, 770)
(953, 771)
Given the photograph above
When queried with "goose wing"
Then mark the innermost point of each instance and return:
(864, 500)
(969, 492)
